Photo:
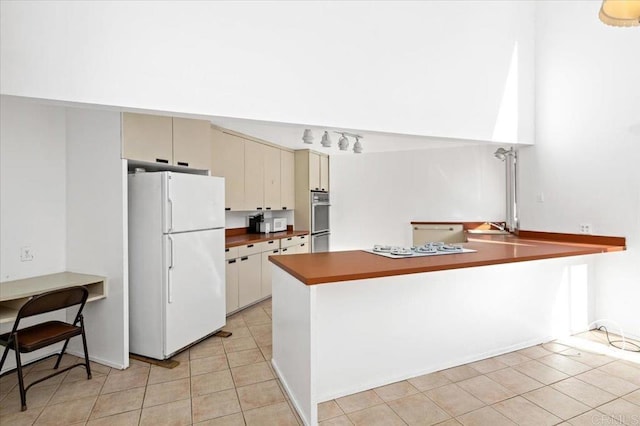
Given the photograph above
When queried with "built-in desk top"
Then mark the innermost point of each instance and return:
(14, 294)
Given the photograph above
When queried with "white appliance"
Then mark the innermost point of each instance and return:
(176, 261)
(320, 231)
(274, 224)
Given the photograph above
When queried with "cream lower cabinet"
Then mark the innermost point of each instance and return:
(266, 272)
(295, 245)
(248, 269)
(249, 279)
(232, 280)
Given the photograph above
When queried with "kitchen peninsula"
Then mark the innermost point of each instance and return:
(344, 322)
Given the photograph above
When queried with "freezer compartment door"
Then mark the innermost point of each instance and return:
(193, 202)
(195, 290)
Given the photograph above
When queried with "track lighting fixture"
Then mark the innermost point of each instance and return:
(343, 142)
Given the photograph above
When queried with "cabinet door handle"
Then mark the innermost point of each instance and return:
(232, 261)
(289, 239)
(284, 249)
(259, 208)
(270, 242)
(284, 207)
(226, 250)
(162, 160)
(242, 259)
(276, 251)
(302, 245)
(268, 208)
(182, 163)
(250, 245)
(227, 208)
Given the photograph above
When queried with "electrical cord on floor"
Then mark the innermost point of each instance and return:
(624, 342)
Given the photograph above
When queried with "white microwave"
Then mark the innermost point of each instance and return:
(275, 224)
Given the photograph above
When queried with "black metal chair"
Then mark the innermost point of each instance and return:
(38, 336)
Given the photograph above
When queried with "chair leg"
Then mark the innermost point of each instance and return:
(23, 392)
(86, 351)
(4, 355)
(64, 348)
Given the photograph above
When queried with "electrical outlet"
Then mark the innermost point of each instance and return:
(26, 255)
(585, 228)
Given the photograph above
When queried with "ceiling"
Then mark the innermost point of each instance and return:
(290, 136)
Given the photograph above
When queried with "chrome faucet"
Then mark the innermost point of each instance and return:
(497, 226)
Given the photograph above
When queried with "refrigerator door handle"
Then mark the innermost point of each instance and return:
(169, 286)
(170, 201)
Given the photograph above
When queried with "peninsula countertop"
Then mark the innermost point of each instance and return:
(320, 268)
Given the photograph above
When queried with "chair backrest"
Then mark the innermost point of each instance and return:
(53, 301)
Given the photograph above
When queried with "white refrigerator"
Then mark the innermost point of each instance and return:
(176, 261)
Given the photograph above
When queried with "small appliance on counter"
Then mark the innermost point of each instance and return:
(258, 224)
(278, 224)
(254, 223)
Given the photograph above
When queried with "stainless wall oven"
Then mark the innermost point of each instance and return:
(320, 229)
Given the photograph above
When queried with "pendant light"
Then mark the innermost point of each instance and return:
(357, 147)
(307, 136)
(326, 140)
(343, 143)
(620, 13)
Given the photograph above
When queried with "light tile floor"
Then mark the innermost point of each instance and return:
(230, 382)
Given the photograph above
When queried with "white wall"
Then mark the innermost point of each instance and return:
(97, 227)
(437, 68)
(32, 188)
(375, 196)
(587, 150)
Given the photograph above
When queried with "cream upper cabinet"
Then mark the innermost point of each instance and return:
(167, 140)
(314, 172)
(227, 161)
(191, 143)
(253, 175)
(287, 180)
(147, 138)
(324, 173)
(272, 191)
(258, 176)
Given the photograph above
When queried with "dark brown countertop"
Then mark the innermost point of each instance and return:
(242, 239)
(319, 268)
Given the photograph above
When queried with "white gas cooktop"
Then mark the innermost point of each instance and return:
(428, 249)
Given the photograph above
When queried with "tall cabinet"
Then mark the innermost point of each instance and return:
(311, 174)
